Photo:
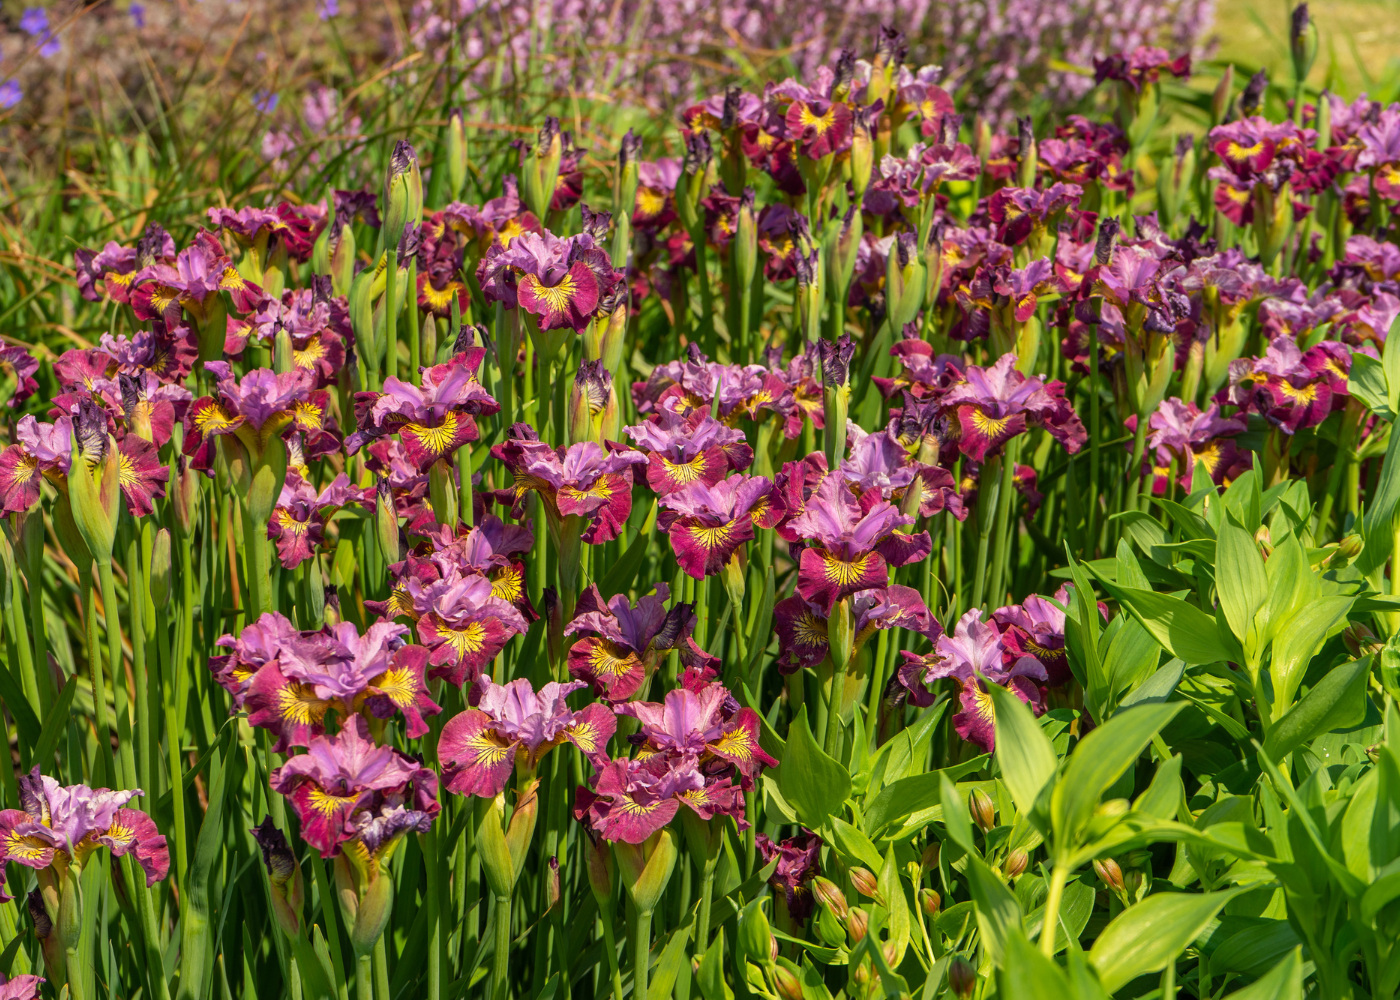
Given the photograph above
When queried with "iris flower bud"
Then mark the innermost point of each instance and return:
(862, 151)
(1220, 98)
(1302, 43)
(831, 897)
(403, 194)
(283, 876)
(456, 154)
(962, 978)
(386, 520)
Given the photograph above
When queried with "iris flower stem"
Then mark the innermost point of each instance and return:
(702, 921)
(34, 572)
(988, 492)
(464, 485)
(99, 684)
(328, 905)
(173, 737)
(500, 961)
(364, 979)
(707, 306)
(381, 970)
(415, 340)
(75, 975)
(391, 316)
(1001, 553)
(136, 588)
(15, 626)
(1048, 931)
(1135, 467)
(607, 915)
(112, 615)
(1091, 516)
(641, 954)
(434, 901)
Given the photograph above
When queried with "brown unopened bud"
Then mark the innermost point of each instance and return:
(962, 978)
(984, 813)
(831, 897)
(930, 901)
(553, 875)
(858, 924)
(1360, 640)
(43, 926)
(861, 975)
(929, 860)
(865, 882)
(1109, 873)
(787, 985)
(1016, 862)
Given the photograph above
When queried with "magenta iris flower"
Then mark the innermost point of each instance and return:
(993, 405)
(512, 725)
(622, 643)
(432, 420)
(708, 524)
(799, 861)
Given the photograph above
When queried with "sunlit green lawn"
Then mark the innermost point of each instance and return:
(1360, 42)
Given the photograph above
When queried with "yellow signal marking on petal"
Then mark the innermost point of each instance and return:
(326, 804)
(399, 603)
(440, 299)
(1305, 394)
(308, 416)
(213, 419)
(650, 202)
(984, 707)
(600, 490)
(471, 639)
(810, 631)
(1236, 195)
(126, 472)
(508, 584)
(817, 123)
(313, 352)
(510, 231)
(989, 425)
(1237, 152)
(25, 469)
(287, 522)
(684, 472)
(1210, 456)
(735, 743)
(711, 538)
(20, 847)
(1041, 653)
(231, 279)
(121, 834)
(113, 278)
(555, 297)
(843, 573)
(298, 704)
(609, 661)
(487, 748)
(397, 684)
(435, 440)
(632, 807)
(585, 737)
(163, 298)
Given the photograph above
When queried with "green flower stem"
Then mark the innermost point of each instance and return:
(75, 975)
(136, 588)
(434, 902)
(1091, 517)
(1000, 527)
(500, 961)
(114, 660)
(641, 954)
(1135, 466)
(464, 485)
(707, 895)
(364, 978)
(1048, 930)
(607, 916)
(328, 905)
(381, 970)
(988, 494)
(34, 577)
(415, 342)
(391, 317)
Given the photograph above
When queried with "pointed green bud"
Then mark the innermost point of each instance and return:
(386, 522)
(456, 154)
(403, 194)
(646, 868)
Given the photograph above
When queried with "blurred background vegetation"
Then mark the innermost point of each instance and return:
(117, 113)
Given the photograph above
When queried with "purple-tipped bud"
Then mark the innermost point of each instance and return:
(403, 194)
(836, 360)
(630, 150)
(330, 612)
(843, 73)
(698, 152)
(1103, 246)
(283, 876)
(91, 431)
(729, 117)
(1220, 97)
(865, 882)
(553, 883)
(891, 48)
(152, 246)
(43, 926)
(857, 924)
(456, 154)
(597, 861)
(386, 520)
(982, 810)
(862, 150)
(1253, 95)
(588, 398)
(595, 224)
(948, 128)
(1361, 641)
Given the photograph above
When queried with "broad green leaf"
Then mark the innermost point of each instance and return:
(26, 720)
(1183, 629)
(1149, 535)
(1129, 572)
(1165, 793)
(1096, 763)
(956, 819)
(1390, 361)
(1024, 752)
(1148, 935)
(812, 783)
(1131, 657)
(1026, 973)
(710, 977)
(1240, 578)
(1298, 641)
(910, 795)
(196, 952)
(1292, 586)
(998, 913)
(668, 966)
(855, 845)
(1367, 382)
(1380, 512)
(1336, 702)
(1157, 688)
(1254, 950)
(896, 905)
(1283, 982)
(1188, 522)
(56, 724)
(1076, 907)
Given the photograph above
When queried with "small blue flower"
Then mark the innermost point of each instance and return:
(265, 102)
(328, 9)
(138, 14)
(34, 21)
(10, 94)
